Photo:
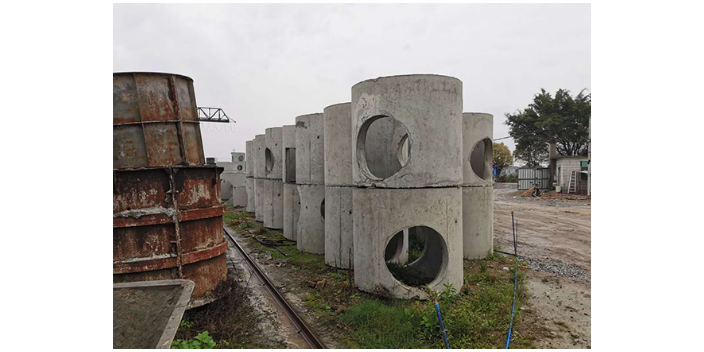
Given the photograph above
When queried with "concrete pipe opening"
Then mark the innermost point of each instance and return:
(481, 159)
(383, 147)
(269, 160)
(427, 256)
(322, 208)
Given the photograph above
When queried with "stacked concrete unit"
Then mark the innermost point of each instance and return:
(477, 185)
(418, 190)
(310, 181)
(259, 175)
(232, 180)
(292, 203)
(249, 176)
(339, 243)
(167, 211)
(273, 187)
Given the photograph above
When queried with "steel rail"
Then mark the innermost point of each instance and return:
(308, 335)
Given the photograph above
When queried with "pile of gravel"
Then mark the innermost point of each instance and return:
(559, 269)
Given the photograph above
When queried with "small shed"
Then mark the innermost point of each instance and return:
(565, 165)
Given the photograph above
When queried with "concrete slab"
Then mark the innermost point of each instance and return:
(339, 241)
(379, 214)
(311, 224)
(147, 314)
(429, 107)
(292, 206)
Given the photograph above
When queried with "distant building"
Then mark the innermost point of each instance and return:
(562, 168)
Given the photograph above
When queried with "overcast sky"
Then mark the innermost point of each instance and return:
(266, 64)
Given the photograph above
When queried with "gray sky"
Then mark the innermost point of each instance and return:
(266, 64)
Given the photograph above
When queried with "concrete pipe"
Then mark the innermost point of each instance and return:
(249, 172)
(291, 201)
(433, 217)
(310, 178)
(311, 222)
(339, 241)
(477, 192)
(292, 205)
(310, 150)
(272, 153)
(425, 113)
(273, 203)
(258, 163)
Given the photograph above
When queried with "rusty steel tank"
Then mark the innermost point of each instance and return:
(167, 213)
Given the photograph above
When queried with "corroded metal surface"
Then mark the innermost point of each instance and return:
(167, 224)
(155, 121)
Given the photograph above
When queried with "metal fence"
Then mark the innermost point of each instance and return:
(528, 178)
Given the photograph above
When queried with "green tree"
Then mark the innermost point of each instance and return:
(563, 120)
(502, 157)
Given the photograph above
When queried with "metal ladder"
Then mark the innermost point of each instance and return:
(572, 188)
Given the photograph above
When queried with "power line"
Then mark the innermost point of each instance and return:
(498, 139)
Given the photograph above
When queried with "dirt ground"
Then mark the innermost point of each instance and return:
(554, 237)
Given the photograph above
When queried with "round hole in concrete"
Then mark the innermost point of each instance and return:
(420, 259)
(239, 167)
(240, 158)
(383, 147)
(481, 159)
(269, 160)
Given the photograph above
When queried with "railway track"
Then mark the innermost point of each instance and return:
(306, 333)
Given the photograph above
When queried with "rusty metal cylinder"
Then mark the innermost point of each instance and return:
(167, 213)
(155, 121)
(167, 223)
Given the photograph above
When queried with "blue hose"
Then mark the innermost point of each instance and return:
(515, 283)
(442, 324)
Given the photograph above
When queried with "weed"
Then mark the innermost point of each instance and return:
(201, 341)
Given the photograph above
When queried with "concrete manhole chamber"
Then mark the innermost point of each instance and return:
(259, 177)
(407, 172)
(249, 176)
(310, 181)
(339, 243)
(477, 186)
(167, 213)
(273, 187)
(292, 203)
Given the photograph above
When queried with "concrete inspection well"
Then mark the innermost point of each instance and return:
(273, 160)
(258, 163)
(292, 205)
(249, 176)
(311, 221)
(310, 150)
(273, 191)
(427, 109)
(435, 214)
(339, 242)
(310, 178)
(477, 190)
(339, 239)
(292, 202)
